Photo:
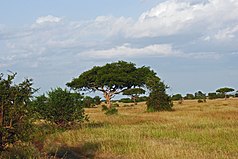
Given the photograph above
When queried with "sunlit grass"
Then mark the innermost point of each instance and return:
(192, 130)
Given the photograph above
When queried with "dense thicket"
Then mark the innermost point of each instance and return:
(158, 99)
(15, 113)
(60, 106)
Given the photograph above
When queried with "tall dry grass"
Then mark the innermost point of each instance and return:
(193, 130)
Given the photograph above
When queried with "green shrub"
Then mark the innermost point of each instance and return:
(15, 114)
(88, 102)
(158, 100)
(97, 100)
(60, 107)
(112, 111)
(126, 100)
(212, 96)
(177, 97)
(104, 108)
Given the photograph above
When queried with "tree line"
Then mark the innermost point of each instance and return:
(223, 92)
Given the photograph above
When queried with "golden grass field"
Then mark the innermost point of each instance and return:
(192, 131)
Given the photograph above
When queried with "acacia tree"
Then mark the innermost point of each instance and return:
(111, 79)
(134, 93)
(224, 91)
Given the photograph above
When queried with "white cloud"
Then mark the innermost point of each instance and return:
(48, 19)
(176, 17)
(126, 51)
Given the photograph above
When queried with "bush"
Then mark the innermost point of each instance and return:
(97, 100)
(212, 96)
(158, 100)
(109, 111)
(112, 111)
(142, 99)
(60, 107)
(104, 108)
(200, 101)
(236, 95)
(177, 97)
(126, 100)
(15, 114)
(88, 102)
(189, 96)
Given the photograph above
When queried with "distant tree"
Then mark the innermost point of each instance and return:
(177, 97)
(97, 100)
(189, 96)
(236, 95)
(200, 96)
(111, 79)
(212, 96)
(142, 99)
(15, 113)
(158, 100)
(134, 93)
(60, 106)
(88, 102)
(126, 100)
(224, 91)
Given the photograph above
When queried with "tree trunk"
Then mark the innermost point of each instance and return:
(134, 99)
(108, 99)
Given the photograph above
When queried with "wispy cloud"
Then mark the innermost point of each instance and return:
(48, 19)
(126, 51)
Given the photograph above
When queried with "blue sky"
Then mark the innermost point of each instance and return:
(191, 44)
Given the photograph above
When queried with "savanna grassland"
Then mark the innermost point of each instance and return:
(192, 130)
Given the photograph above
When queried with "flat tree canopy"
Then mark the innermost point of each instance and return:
(134, 93)
(112, 79)
(225, 90)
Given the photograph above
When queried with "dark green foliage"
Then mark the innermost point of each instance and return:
(212, 96)
(236, 95)
(224, 91)
(15, 113)
(60, 107)
(111, 79)
(97, 100)
(126, 100)
(134, 93)
(142, 99)
(111, 111)
(200, 95)
(177, 97)
(158, 100)
(104, 108)
(129, 100)
(189, 96)
(88, 102)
